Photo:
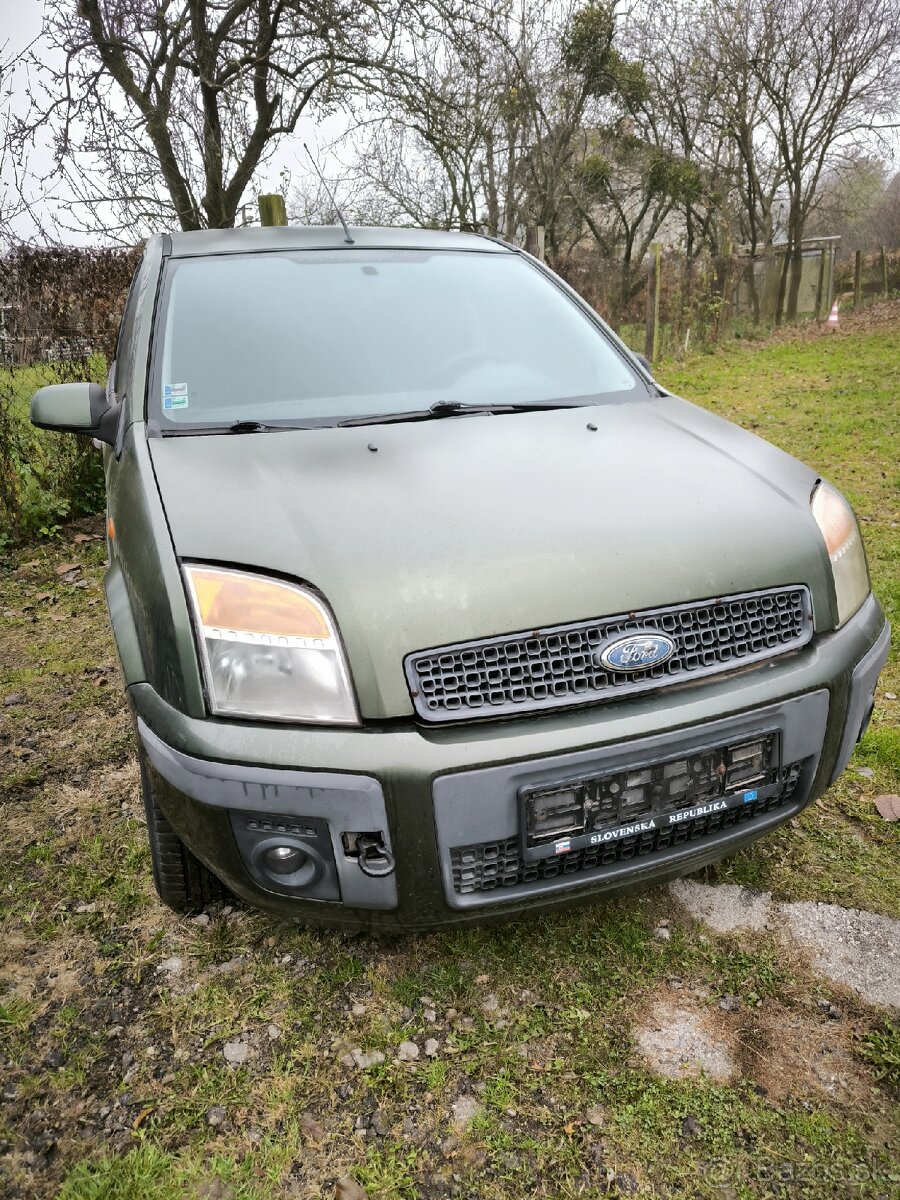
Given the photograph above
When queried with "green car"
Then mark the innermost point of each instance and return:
(432, 606)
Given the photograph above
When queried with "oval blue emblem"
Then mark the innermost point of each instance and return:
(637, 652)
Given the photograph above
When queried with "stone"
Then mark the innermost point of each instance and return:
(170, 966)
(432, 1046)
(408, 1052)
(274, 1033)
(236, 1053)
(690, 1127)
(348, 1189)
(371, 1058)
(662, 933)
(464, 1111)
(215, 1116)
(310, 1127)
(380, 1122)
(730, 1003)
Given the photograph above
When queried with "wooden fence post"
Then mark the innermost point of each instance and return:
(857, 280)
(884, 273)
(651, 339)
(534, 241)
(272, 210)
(820, 287)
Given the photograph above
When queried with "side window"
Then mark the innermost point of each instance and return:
(123, 367)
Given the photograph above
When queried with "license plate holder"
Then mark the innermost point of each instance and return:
(568, 815)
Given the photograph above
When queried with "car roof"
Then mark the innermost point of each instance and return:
(323, 237)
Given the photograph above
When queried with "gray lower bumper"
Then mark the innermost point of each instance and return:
(481, 807)
(861, 698)
(431, 791)
(344, 803)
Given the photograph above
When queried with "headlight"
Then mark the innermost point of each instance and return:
(835, 519)
(269, 649)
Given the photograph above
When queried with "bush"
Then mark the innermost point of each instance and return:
(59, 317)
(45, 477)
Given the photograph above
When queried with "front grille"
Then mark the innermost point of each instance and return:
(550, 668)
(497, 865)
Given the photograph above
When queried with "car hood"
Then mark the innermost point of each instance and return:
(447, 530)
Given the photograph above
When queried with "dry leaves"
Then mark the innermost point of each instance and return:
(889, 807)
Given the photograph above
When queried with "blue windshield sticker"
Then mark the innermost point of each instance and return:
(175, 395)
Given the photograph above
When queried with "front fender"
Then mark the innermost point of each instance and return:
(124, 627)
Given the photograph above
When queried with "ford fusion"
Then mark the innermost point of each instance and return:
(431, 605)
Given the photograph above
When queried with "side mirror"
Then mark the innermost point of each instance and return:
(76, 408)
(645, 362)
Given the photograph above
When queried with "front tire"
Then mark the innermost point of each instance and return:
(181, 879)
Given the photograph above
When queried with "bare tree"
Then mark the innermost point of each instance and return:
(440, 139)
(10, 198)
(163, 110)
(827, 69)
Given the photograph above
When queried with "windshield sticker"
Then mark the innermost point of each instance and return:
(175, 395)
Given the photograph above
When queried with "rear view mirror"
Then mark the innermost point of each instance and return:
(645, 362)
(76, 408)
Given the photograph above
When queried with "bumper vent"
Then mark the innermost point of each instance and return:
(493, 866)
(552, 668)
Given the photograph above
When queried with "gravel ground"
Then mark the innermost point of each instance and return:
(852, 948)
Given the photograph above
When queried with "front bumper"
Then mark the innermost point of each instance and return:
(432, 792)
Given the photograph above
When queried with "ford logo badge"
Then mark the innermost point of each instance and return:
(637, 652)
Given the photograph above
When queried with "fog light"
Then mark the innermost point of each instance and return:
(284, 860)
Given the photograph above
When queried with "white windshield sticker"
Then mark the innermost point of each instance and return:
(175, 395)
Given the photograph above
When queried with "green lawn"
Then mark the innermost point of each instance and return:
(115, 1084)
(833, 401)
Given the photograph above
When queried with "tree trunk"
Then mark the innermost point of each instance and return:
(782, 287)
(796, 275)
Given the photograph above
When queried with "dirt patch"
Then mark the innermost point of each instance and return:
(873, 318)
(678, 1039)
(797, 1053)
(788, 1053)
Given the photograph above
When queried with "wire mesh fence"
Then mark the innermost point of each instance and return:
(698, 302)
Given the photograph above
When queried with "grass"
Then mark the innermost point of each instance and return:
(834, 402)
(120, 1090)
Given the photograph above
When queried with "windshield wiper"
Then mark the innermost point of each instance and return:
(251, 427)
(452, 408)
(234, 427)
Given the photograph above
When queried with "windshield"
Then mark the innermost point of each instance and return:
(321, 336)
